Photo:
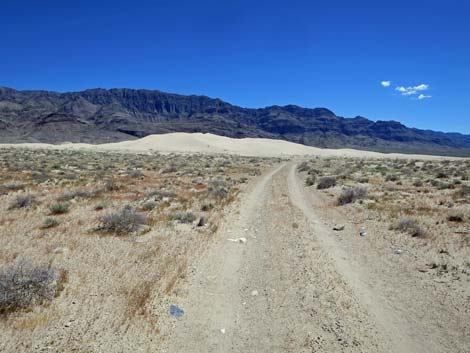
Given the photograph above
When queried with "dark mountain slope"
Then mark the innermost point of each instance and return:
(99, 115)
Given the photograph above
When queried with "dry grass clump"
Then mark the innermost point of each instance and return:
(326, 182)
(23, 284)
(125, 221)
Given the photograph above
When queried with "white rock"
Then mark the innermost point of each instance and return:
(254, 293)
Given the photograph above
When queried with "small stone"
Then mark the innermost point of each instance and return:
(222, 330)
(254, 293)
(60, 250)
(338, 227)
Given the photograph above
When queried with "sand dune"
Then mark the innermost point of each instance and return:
(209, 143)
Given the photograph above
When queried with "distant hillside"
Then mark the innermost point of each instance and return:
(99, 116)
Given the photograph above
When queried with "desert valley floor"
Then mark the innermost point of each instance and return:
(151, 250)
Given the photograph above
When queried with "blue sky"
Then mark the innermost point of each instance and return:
(332, 54)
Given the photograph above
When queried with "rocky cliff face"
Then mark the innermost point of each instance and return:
(99, 115)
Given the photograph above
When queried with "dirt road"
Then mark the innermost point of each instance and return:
(296, 286)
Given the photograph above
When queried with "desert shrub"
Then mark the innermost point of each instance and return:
(122, 222)
(22, 201)
(184, 217)
(99, 207)
(310, 180)
(443, 186)
(135, 173)
(352, 194)
(392, 177)
(243, 180)
(303, 167)
(409, 226)
(218, 188)
(313, 171)
(457, 182)
(172, 168)
(456, 217)
(441, 175)
(76, 194)
(149, 205)
(463, 192)
(160, 194)
(110, 185)
(206, 206)
(417, 183)
(23, 285)
(13, 186)
(59, 208)
(326, 182)
(49, 222)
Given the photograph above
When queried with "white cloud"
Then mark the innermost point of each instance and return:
(421, 87)
(385, 83)
(412, 90)
(423, 96)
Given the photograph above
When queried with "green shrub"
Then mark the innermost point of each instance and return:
(59, 208)
(310, 180)
(49, 222)
(184, 217)
(149, 205)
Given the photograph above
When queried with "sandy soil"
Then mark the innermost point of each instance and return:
(295, 285)
(209, 143)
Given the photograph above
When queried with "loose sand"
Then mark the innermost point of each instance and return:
(209, 143)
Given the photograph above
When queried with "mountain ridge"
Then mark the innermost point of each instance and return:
(110, 115)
